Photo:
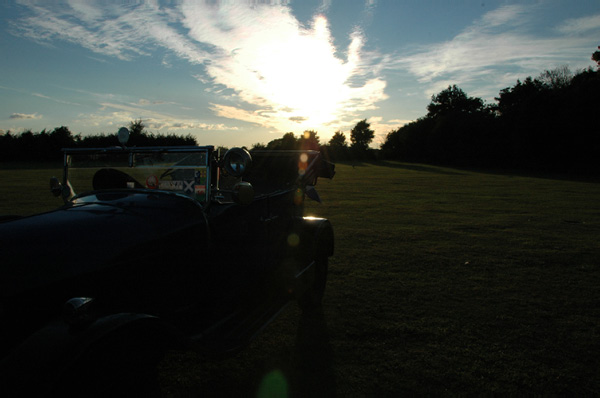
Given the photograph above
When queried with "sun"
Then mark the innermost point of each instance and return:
(290, 77)
(303, 76)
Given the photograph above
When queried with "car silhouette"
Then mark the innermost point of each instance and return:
(155, 248)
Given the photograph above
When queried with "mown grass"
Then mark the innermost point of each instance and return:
(25, 189)
(444, 281)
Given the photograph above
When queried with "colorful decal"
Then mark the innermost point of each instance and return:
(152, 182)
(188, 186)
(171, 185)
(200, 190)
(200, 175)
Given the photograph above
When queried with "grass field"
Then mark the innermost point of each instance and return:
(444, 281)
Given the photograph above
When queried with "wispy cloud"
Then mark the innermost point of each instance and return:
(53, 99)
(276, 72)
(499, 48)
(25, 116)
(118, 114)
(576, 26)
(382, 128)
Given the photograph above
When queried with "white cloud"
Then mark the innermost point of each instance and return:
(25, 116)
(501, 40)
(580, 25)
(116, 114)
(275, 71)
(284, 69)
(53, 99)
(382, 128)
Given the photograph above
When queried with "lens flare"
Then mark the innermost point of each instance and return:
(273, 384)
(298, 197)
(302, 164)
(293, 240)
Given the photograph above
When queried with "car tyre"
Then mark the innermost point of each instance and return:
(124, 365)
(313, 296)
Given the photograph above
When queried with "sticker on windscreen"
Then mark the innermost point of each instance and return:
(171, 185)
(200, 190)
(152, 182)
(188, 187)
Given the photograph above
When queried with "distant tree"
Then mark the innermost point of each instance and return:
(309, 140)
(337, 147)
(452, 100)
(361, 136)
(137, 136)
(62, 137)
(338, 140)
(136, 126)
(409, 142)
(519, 98)
(259, 146)
(596, 57)
(288, 141)
(557, 78)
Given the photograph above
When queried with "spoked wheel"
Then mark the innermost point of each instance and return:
(312, 298)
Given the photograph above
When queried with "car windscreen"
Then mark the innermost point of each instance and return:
(174, 171)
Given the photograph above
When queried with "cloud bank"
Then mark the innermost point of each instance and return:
(502, 46)
(261, 64)
(19, 116)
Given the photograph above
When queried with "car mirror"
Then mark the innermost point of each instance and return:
(55, 187)
(243, 193)
(123, 136)
(58, 189)
(237, 161)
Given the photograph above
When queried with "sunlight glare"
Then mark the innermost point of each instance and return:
(285, 75)
(302, 74)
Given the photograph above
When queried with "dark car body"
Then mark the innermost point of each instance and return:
(163, 247)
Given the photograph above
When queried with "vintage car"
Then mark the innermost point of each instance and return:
(155, 247)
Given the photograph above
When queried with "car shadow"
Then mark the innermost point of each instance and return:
(305, 367)
(418, 167)
(313, 358)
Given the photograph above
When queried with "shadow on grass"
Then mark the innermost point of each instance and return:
(464, 170)
(304, 368)
(417, 167)
(313, 358)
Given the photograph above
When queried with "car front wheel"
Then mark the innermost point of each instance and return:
(312, 297)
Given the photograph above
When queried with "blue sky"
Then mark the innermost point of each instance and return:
(243, 72)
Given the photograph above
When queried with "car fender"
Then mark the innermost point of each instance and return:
(316, 236)
(47, 356)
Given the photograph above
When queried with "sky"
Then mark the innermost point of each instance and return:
(237, 73)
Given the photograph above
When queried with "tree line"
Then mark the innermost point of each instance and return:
(548, 123)
(337, 148)
(46, 146)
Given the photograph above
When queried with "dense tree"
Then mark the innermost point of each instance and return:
(556, 78)
(596, 57)
(288, 141)
(361, 136)
(452, 100)
(337, 147)
(44, 146)
(309, 140)
(547, 123)
(338, 140)
(409, 142)
(259, 146)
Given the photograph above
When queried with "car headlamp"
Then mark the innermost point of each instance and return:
(237, 161)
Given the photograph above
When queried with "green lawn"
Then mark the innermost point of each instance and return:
(25, 191)
(444, 281)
